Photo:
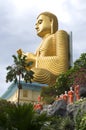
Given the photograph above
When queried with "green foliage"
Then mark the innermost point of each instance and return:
(18, 69)
(61, 84)
(75, 75)
(81, 62)
(80, 121)
(66, 124)
(58, 123)
(39, 120)
(48, 94)
(78, 77)
(5, 107)
(23, 117)
(20, 117)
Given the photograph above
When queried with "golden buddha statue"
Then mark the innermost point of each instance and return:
(51, 57)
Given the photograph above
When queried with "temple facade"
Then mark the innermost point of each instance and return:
(28, 94)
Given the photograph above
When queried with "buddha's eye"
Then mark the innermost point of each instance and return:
(40, 21)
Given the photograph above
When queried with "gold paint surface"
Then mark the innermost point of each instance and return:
(52, 56)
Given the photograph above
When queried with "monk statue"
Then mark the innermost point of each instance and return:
(52, 56)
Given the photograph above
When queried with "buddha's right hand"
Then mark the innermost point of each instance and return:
(20, 52)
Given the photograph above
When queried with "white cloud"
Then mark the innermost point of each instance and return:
(3, 84)
(79, 4)
(17, 20)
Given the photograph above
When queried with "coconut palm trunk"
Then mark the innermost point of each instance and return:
(19, 89)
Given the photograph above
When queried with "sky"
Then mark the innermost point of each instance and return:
(17, 28)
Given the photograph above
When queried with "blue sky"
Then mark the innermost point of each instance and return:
(17, 30)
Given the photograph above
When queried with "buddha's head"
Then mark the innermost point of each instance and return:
(46, 24)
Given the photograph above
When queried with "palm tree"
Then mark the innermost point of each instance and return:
(18, 71)
(20, 117)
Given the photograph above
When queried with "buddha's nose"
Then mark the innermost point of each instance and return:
(36, 26)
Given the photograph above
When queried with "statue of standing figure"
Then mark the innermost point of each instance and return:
(52, 56)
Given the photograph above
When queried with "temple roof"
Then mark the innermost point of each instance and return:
(26, 86)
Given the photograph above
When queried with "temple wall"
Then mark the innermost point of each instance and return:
(25, 96)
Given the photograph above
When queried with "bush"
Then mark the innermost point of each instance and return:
(80, 121)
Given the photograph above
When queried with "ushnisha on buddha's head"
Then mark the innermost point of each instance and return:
(46, 24)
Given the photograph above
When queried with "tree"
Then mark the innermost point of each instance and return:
(19, 71)
(79, 74)
(76, 75)
(81, 62)
(20, 117)
(48, 93)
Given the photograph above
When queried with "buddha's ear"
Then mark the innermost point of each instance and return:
(52, 31)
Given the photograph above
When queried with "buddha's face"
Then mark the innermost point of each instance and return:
(43, 25)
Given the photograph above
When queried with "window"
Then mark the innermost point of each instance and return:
(25, 93)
